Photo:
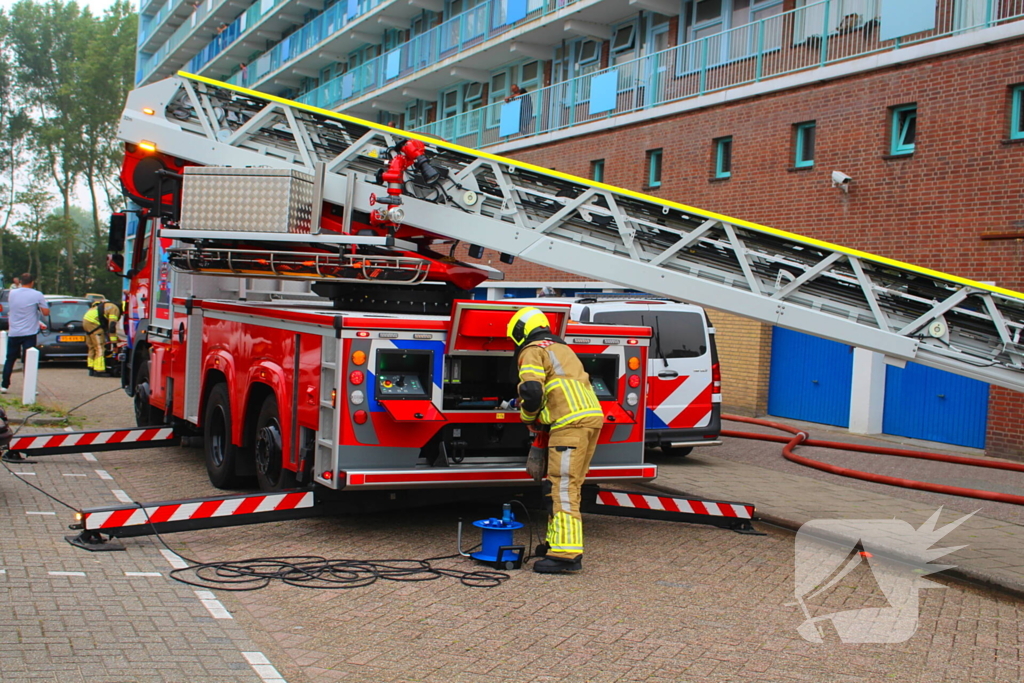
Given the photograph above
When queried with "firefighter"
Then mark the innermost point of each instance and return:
(100, 325)
(555, 397)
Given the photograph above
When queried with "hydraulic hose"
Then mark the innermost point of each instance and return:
(801, 437)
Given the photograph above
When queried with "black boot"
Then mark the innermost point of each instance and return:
(550, 565)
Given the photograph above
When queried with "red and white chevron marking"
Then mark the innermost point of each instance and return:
(669, 504)
(34, 441)
(207, 509)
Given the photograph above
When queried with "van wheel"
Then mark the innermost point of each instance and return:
(222, 456)
(270, 469)
(676, 451)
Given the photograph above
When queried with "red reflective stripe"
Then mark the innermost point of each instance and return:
(118, 437)
(87, 438)
(669, 504)
(163, 513)
(607, 498)
(249, 505)
(639, 501)
(118, 518)
(54, 441)
(727, 510)
(698, 507)
(290, 501)
(148, 434)
(207, 509)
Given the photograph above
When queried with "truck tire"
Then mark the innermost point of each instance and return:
(145, 414)
(270, 470)
(222, 456)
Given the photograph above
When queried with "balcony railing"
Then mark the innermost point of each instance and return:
(805, 38)
(195, 21)
(233, 32)
(461, 32)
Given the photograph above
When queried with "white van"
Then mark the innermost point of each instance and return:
(684, 382)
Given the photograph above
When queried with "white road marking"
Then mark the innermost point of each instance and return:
(263, 668)
(213, 605)
(173, 559)
(103, 475)
(24, 474)
(76, 475)
(67, 573)
(33, 512)
(122, 496)
(143, 574)
(90, 457)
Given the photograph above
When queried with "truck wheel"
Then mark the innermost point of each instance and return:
(145, 415)
(221, 455)
(270, 469)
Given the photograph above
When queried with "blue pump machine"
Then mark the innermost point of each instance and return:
(497, 547)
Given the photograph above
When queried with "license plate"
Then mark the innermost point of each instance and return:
(71, 339)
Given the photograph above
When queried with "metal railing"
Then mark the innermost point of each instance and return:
(805, 38)
(463, 31)
(150, 63)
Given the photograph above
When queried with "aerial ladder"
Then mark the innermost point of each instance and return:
(655, 245)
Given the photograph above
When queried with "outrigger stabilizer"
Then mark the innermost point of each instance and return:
(99, 525)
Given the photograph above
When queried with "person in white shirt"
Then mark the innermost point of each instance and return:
(24, 307)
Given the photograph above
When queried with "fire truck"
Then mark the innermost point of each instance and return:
(295, 301)
(309, 339)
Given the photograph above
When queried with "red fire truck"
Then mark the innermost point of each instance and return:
(310, 326)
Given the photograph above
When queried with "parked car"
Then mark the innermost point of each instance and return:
(4, 321)
(64, 338)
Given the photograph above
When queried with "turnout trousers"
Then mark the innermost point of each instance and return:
(570, 450)
(94, 338)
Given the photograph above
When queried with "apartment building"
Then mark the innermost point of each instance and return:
(751, 108)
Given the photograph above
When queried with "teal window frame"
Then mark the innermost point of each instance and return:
(597, 170)
(654, 157)
(904, 120)
(805, 132)
(723, 157)
(1017, 113)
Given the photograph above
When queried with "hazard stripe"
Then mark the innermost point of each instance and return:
(37, 441)
(205, 509)
(671, 504)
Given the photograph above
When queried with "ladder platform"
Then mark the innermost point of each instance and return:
(34, 445)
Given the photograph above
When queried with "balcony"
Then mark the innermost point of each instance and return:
(799, 40)
(155, 29)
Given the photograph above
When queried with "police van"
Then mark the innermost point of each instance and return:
(684, 382)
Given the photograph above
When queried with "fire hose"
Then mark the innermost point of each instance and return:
(801, 438)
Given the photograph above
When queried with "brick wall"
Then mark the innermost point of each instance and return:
(744, 352)
(928, 209)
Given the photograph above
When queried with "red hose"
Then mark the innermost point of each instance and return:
(801, 437)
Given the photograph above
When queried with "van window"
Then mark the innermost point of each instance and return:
(677, 334)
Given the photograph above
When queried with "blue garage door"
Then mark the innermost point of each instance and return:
(810, 378)
(924, 403)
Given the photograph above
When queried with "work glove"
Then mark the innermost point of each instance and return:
(537, 463)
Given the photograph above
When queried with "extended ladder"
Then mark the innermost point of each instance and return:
(600, 231)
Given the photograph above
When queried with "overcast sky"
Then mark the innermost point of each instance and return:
(97, 5)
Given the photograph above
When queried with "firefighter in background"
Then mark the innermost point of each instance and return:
(556, 401)
(100, 325)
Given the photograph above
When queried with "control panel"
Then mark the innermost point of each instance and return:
(404, 384)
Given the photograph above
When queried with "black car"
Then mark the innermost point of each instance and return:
(63, 338)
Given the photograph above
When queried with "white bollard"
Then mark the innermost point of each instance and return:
(3, 347)
(28, 394)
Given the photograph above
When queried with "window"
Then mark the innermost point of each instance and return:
(597, 170)
(1017, 113)
(624, 38)
(723, 157)
(804, 144)
(472, 96)
(589, 52)
(904, 129)
(654, 168)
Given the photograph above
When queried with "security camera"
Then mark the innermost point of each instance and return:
(841, 180)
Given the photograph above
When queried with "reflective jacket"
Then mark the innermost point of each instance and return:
(554, 389)
(110, 311)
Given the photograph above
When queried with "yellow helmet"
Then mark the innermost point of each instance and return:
(525, 322)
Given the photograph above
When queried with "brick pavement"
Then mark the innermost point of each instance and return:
(658, 602)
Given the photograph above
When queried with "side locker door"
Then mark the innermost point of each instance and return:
(193, 341)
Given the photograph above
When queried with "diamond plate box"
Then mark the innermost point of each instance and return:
(246, 199)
